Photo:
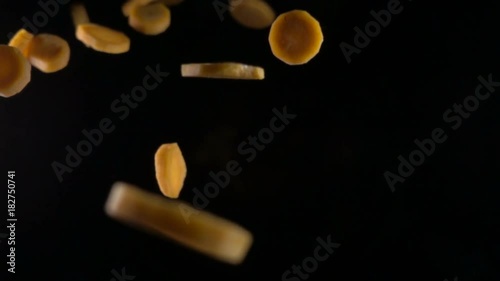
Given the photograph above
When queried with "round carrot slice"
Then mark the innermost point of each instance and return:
(150, 19)
(255, 14)
(295, 37)
(49, 53)
(15, 71)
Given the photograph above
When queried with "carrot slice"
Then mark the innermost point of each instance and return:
(150, 19)
(103, 39)
(15, 71)
(95, 36)
(199, 230)
(255, 14)
(295, 37)
(22, 40)
(170, 169)
(79, 14)
(128, 6)
(49, 53)
(225, 70)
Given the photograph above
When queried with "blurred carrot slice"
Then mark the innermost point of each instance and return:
(197, 229)
(255, 14)
(129, 5)
(15, 71)
(79, 14)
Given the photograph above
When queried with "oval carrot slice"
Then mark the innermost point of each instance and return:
(103, 39)
(255, 14)
(15, 71)
(95, 36)
(128, 6)
(150, 19)
(170, 169)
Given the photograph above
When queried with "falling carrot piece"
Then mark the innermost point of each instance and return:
(199, 230)
(103, 39)
(49, 53)
(150, 19)
(98, 37)
(15, 71)
(226, 70)
(79, 14)
(170, 169)
(22, 40)
(295, 37)
(129, 5)
(255, 14)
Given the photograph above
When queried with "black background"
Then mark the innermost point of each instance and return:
(322, 176)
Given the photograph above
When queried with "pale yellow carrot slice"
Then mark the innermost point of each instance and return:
(98, 37)
(150, 19)
(15, 71)
(129, 5)
(199, 230)
(295, 37)
(22, 40)
(225, 70)
(49, 53)
(171, 169)
(79, 14)
(255, 14)
(103, 39)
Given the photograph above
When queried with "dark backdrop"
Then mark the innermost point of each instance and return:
(323, 175)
